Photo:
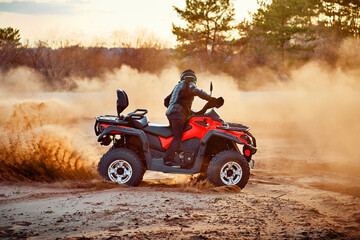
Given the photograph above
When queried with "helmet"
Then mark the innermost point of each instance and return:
(188, 75)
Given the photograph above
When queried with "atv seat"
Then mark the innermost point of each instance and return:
(161, 130)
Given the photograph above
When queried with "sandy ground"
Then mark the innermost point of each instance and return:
(163, 208)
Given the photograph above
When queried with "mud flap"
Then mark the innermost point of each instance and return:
(252, 165)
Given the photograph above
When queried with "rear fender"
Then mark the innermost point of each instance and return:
(114, 130)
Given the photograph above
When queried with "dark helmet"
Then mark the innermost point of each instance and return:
(188, 75)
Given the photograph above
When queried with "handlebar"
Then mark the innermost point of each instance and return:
(210, 104)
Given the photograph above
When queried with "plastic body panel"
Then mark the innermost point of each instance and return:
(200, 126)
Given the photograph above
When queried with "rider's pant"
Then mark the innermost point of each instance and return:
(177, 126)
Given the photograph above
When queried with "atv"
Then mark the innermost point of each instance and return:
(209, 145)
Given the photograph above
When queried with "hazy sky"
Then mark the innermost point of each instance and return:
(98, 21)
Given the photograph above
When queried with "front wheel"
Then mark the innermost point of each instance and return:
(123, 166)
(228, 168)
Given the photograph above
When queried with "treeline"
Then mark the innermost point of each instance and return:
(61, 65)
(281, 35)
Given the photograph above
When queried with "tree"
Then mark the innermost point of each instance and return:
(284, 25)
(208, 27)
(9, 36)
(343, 16)
(9, 48)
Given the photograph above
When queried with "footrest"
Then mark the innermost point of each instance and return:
(158, 165)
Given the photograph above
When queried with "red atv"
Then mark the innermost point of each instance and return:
(209, 145)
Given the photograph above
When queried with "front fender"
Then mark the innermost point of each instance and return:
(225, 135)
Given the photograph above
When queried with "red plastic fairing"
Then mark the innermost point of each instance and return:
(199, 131)
(107, 125)
(211, 125)
(165, 142)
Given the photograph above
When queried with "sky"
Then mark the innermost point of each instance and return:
(99, 22)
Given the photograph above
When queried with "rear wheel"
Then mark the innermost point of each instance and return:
(228, 168)
(123, 166)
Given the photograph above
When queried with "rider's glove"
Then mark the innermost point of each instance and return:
(219, 102)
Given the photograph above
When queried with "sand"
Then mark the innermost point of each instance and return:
(161, 208)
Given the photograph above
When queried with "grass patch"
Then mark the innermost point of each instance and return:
(314, 210)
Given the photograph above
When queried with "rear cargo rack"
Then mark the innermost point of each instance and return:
(111, 119)
(107, 119)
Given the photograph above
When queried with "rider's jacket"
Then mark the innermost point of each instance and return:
(180, 99)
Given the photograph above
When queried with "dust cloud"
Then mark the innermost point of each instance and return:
(310, 115)
(35, 145)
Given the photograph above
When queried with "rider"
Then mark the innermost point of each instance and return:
(179, 108)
